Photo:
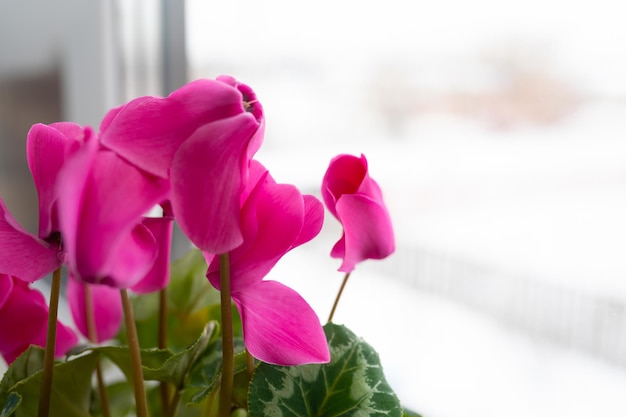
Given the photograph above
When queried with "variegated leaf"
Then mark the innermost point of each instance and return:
(352, 384)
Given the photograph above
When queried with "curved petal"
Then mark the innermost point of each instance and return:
(101, 224)
(23, 321)
(131, 259)
(248, 96)
(47, 148)
(343, 176)
(159, 275)
(356, 200)
(72, 181)
(256, 174)
(279, 327)
(368, 233)
(6, 287)
(251, 105)
(313, 220)
(147, 131)
(65, 340)
(107, 308)
(208, 175)
(21, 254)
(272, 219)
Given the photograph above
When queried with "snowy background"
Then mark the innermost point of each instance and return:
(498, 133)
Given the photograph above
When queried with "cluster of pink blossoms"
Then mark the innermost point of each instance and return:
(192, 154)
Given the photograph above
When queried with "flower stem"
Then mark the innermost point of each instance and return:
(45, 390)
(93, 338)
(249, 365)
(162, 343)
(173, 405)
(343, 285)
(228, 348)
(102, 390)
(135, 356)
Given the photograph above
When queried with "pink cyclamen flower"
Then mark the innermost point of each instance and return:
(356, 201)
(21, 254)
(102, 201)
(24, 319)
(200, 138)
(66, 150)
(279, 326)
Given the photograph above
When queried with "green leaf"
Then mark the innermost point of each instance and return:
(13, 401)
(151, 359)
(162, 365)
(206, 373)
(176, 368)
(352, 384)
(121, 400)
(25, 365)
(204, 376)
(241, 383)
(71, 389)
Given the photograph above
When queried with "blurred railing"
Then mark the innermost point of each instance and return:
(592, 323)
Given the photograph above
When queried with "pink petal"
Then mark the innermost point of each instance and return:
(279, 327)
(272, 219)
(343, 176)
(107, 308)
(159, 275)
(356, 200)
(65, 340)
(21, 254)
(313, 220)
(209, 257)
(256, 174)
(47, 148)
(208, 175)
(72, 181)
(6, 287)
(368, 233)
(100, 223)
(22, 318)
(252, 106)
(147, 131)
(23, 321)
(131, 260)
